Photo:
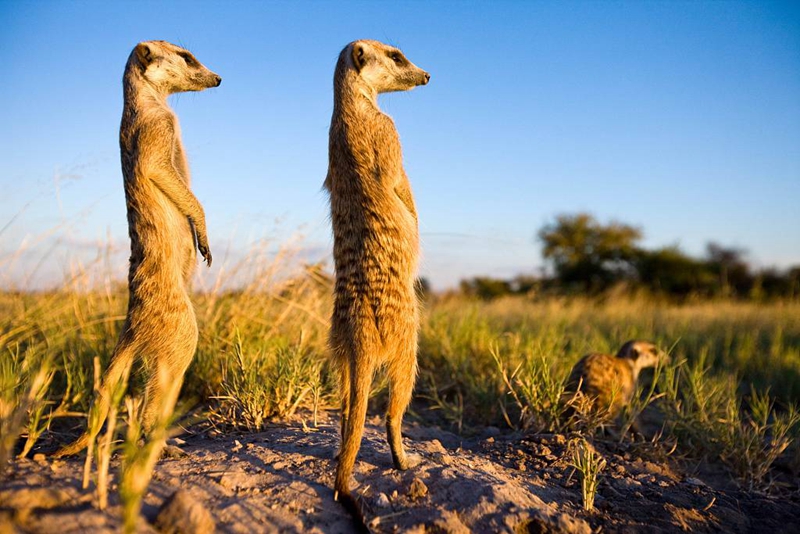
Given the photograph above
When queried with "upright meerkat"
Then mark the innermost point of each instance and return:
(608, 382)
(375, 246)
(165, 222)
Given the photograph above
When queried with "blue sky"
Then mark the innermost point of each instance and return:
(679, 117)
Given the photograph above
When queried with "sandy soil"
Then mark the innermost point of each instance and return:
(279, 480)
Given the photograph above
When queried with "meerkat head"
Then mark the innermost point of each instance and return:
(384, 68)
(641, 354)
(172, 69)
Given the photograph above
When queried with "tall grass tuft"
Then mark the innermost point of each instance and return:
(269, 378)
(588, 463)
(25, 379)
(706, 415)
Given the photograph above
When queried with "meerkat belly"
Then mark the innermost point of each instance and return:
(375, 268)
(163, 236)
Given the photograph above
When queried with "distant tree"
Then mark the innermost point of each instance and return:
(668, 270)
(587, 254)
(793, 275)
(524, 284)
(773, 283)
(485, 288)
(731, 268)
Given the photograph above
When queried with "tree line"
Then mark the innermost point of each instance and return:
(584, 256)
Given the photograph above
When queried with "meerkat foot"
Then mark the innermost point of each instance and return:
(405, 461)
(412, 460)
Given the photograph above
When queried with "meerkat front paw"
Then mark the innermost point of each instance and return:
(205, 252)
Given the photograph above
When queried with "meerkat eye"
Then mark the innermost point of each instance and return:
(190, 61)
(397, 58)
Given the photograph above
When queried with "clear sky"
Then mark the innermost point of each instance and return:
(679, 117)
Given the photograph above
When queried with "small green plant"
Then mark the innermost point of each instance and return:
(588, 463)
(25, 379)
(38, 421)
(588, 416)
(536, 393)
(447, 401)
(756, 438)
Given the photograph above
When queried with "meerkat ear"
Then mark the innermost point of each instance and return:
(360, 55)
(144, 54)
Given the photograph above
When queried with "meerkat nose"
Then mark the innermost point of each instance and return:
(217, 79)
(427, 77)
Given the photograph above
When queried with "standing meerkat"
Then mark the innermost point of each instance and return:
(165, 222)
(608, 382)
(375, 246)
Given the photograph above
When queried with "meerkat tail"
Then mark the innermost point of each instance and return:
(118, 370)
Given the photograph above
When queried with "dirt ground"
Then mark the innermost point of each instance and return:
(279, 480)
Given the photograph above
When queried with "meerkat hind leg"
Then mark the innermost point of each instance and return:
(401, 383)
(161, 395)
(165, 378)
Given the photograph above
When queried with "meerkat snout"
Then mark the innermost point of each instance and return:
(426, 77)
(217, 80)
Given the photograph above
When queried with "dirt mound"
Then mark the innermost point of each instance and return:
(280, 480)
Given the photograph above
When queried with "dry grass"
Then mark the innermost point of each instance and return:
(262, 354)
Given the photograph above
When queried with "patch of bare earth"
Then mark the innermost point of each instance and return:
(279, 480)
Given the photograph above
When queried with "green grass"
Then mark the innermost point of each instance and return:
(729, 394)
(588, 464)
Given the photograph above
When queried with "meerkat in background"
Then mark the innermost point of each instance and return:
(165, 223)
(376, 246)
(608, 382)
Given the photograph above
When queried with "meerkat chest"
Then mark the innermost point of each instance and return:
(618, 382)
(601, 374)
(179, 160)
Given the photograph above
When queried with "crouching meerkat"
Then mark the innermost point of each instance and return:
(166, 223)
(375, 247)
(608, 382)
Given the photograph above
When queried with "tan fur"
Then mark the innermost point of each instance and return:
(165, 223)
(376, 245)
(608, 382)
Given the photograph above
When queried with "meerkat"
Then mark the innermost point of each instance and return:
(608, 382)
(376, 247)
(165, 223)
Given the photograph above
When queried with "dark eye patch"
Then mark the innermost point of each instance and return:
(398, 58)
(187, 57)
